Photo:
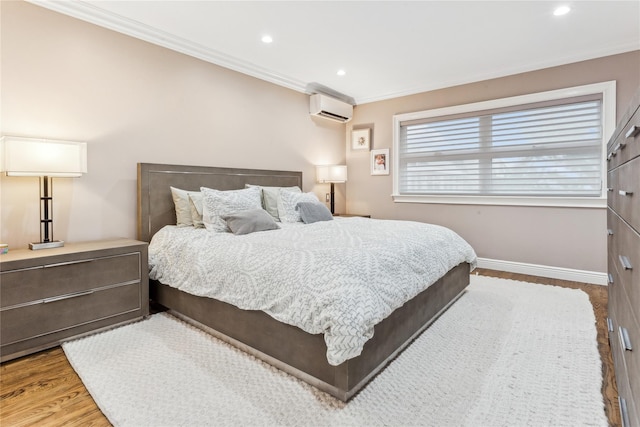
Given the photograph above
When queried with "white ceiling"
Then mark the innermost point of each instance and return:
(387, 48)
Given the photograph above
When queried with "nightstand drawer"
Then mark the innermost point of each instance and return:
(51, 280)
(41, 318)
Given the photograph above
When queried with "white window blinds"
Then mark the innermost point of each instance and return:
(550, 149)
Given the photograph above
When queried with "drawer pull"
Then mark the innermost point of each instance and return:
(625, 193)
(60, 264)
(68, 296)
(632, 132)
(609, 189)
(620, 146)
(625, 341)
(609, 232)
(626, 264)
(624, 414)
(610, 278)
(609, 157)
(609, 324)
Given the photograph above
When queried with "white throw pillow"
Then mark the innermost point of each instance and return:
(181, 203)
(216, 204)
(287, 201)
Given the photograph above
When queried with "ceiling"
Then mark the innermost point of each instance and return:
(386, 48)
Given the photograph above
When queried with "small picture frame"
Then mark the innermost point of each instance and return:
(361, 139)
(380, 162)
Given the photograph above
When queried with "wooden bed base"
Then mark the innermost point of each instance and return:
(287, 347)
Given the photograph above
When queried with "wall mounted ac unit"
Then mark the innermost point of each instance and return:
(330, 108)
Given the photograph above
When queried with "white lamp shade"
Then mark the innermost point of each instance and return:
(42, 157)
(331, 173)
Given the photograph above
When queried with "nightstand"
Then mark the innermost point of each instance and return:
(351, 215)
(52, 295)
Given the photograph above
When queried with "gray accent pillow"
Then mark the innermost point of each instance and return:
(313, 212)
(250, 221)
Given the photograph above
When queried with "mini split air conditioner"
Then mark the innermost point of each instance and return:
(330, 108)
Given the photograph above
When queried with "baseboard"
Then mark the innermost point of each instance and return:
(593, 277)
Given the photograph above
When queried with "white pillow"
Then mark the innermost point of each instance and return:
(181, 203)
(287, 201)
(270, 198)
(216, 204)
(195, 205)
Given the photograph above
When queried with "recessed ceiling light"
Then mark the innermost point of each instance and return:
(341, 72)
(267, 39)
(562, 10)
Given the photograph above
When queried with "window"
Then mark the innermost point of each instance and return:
(539, 149)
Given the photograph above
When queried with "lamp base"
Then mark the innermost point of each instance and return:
(46, 245)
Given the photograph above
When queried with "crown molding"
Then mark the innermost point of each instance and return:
(95, 15)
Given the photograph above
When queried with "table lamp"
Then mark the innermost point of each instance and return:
(333, 174)
(45, 159)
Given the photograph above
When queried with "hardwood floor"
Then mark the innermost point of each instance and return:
(44, 390)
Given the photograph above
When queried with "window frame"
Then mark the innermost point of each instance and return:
(606, 89)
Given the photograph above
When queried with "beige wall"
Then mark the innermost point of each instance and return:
(570, 238)
(132, 101)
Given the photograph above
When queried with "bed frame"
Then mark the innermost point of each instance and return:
(286, 347)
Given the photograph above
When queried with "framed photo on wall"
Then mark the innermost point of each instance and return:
(380, 162)
(361, 139)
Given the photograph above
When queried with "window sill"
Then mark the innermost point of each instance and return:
(569, 202)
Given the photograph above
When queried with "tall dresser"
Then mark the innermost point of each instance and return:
(623, 228)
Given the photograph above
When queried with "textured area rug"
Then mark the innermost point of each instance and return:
(507, 353)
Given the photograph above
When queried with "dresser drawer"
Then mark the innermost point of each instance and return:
(51, 280)
(622, 377)
(626, 146)
(31, 321)
(613, 224)
(624, 192)
(627, 362)
(625, 257)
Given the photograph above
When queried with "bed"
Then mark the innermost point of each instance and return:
(289, 348)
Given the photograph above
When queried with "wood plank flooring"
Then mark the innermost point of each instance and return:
(44, 390)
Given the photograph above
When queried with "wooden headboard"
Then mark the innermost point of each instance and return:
(155, 204)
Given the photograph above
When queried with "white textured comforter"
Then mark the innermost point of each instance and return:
(338, 277)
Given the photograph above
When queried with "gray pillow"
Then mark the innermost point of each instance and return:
(313, 212)
(250, 221)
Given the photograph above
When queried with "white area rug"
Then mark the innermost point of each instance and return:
(506, 353)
